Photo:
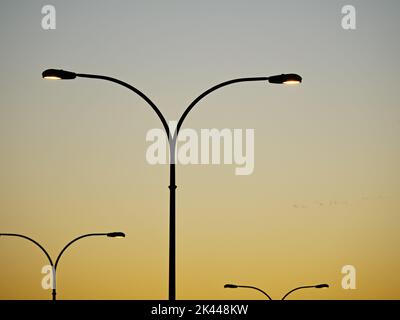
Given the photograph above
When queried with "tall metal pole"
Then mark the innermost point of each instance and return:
(172, 224)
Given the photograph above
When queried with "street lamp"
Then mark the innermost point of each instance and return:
(57, 74)
(318, 286)
(54, 266)
(118, 235)
(234, 286)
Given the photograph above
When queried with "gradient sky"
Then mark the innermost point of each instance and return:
(325, 191)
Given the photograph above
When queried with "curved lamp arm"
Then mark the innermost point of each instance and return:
(233, 286)
(31, 240)
(258, 289)
(74, 240)
(57, 74)
(207, 92)
(137, 91)
(318, 286)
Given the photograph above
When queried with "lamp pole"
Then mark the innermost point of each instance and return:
(318, 286)
(57, 74)
(54, 266)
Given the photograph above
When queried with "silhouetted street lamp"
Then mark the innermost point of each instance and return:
(57, 74)
(54, 266)
(318, 286)
(234, 286)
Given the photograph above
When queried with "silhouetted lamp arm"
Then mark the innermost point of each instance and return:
(318, 286)
(137, 91)
(233, 286)
(41, 248)
(31, 240)
(58, 74)
(290, 78)
(207, 92)
(109, 234)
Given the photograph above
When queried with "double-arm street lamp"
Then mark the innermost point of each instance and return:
(54, 266)
(318, 286)
(56, 74)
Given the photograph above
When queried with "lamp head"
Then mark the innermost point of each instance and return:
(58, 74)
(116, 235)
(289, 78)
(230, 286)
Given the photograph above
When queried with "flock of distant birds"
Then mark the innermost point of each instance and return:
(332, 203)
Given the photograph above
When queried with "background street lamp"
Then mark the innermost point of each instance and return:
(318, 286)
(57, 74)
(234, 286)
(54, 266)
